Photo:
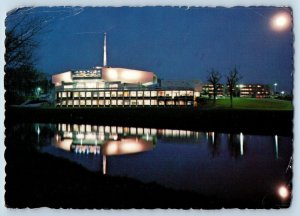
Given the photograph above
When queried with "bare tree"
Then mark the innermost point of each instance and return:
(214, 79)
(20, 43)
(21, 76)
(232, 78)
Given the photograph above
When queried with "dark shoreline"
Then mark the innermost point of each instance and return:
(278, 122)
(40, 180)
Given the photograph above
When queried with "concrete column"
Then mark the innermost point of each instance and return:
(136, 98)
(143, 98)
(123, 98)
(104, 99)
(110, 98)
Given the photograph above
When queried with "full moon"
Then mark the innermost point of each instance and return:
(281, 21)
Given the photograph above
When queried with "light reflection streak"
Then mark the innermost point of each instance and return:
(276, 146)
(241, 144)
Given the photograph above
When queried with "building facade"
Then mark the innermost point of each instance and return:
(107, 86)
(254, 90)
(208, 90)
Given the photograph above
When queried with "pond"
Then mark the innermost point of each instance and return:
(220, 165)
(225, 165)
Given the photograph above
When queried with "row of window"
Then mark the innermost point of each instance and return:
(97, 94)
(267, 93)
(123, 103)
(94, 132)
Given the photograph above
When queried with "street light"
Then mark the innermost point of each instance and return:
(275, 85)
(38, 91)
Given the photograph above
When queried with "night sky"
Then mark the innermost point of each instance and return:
(175, 43)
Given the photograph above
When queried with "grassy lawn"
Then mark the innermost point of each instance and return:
(250, 103)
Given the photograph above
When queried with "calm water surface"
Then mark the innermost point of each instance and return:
(214, 164)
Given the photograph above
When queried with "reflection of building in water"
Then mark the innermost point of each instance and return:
(113, 140)
(107, 86)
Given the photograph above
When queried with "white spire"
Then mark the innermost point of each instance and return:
(104, 52)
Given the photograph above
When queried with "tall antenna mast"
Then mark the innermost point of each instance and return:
(104, 52)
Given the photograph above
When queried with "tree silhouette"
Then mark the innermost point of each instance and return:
(21, 42)
(21, 76)
(214, 79)
(232, 78)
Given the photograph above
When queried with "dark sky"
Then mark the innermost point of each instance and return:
(175, 43)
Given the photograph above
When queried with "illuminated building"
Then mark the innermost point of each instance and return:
(208, 89)
(107, 86)
(254, 90)
(242, 90)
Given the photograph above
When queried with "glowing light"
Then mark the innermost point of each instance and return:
(80, 136)
(242, 143)
(104, 165)
(112, 148)
(38, 130)
(276, 146)
(64, 144)
(283, 192)
(280, 21)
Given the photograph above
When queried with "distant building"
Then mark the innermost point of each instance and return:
(208, 89)
(254, 90)
(108, 86)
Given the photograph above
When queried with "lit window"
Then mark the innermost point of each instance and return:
(101, 94)
(126, 94)
(153, 93)
(88, 94)
(107, 94)
(133, 102)
(140, 93)
(113, 94)
(154, 102)
(190, 93)
(76, 94)
(182, 93)
(82, 94)
(147, 93)
(82, 102)
(161, 93)
(133, 93)
(132, 130)
(168, 93)
(120, 102)
(95, 94)
(161, 103)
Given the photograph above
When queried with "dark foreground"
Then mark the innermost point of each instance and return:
(39, 180)
(219, 120)
(35, 179)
